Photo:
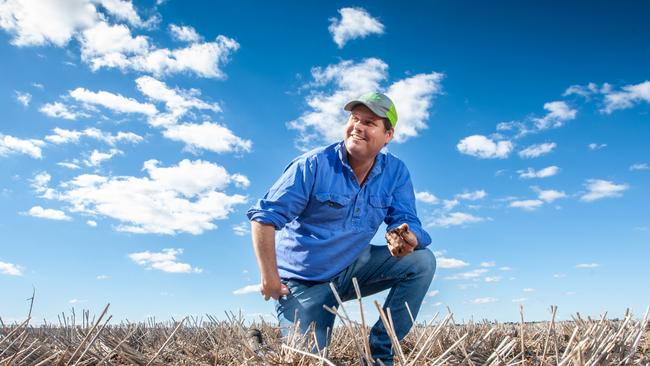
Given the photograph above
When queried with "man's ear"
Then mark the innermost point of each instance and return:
(389, 136)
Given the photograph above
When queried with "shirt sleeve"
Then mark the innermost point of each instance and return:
(288, 196)
(402, 209)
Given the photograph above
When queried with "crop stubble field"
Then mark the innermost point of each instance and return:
(439, 341)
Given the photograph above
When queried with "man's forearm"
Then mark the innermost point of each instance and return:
(263, 236)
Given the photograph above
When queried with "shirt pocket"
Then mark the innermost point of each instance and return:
(377, 210)
(331, 207)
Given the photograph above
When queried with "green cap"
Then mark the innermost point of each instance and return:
(378, 103)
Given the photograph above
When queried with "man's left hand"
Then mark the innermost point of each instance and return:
(401, 241)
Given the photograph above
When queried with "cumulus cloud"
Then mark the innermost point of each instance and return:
(627, 97)
(587, 265)
(448, 263)
(37, 22)
(332, 87)
(60, 110)
(186, 197)
(454, 219)
(104, 45)
(10, 269)
(64, 136)
(250, 289)
(584, 91)
(468, 275)
(14, 145)
(542, 173)
(484, 300)
(23, 98)
(97, 157)
(114, 102)
(433, 293)
(426, 197)
(47, 213)
(208, 136)
(122, 10)
(558, 114)
(550, 195)
(241, 229)
(485, 148)
(493, 279)
(472, 196)
(599, 188)
(184, 33)
(537, 150)
(165, 261)
(177, 101)
(528, 205)
(595, 146)
(639, 166)
(354, 23)
(488, 264)
(91, 223)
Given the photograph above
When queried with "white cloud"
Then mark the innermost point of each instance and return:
(454, 219)
(484, 300)
(68, 165)
(23, 98)
(450, 204)
(339, 83)
(103, 277)
(97, 157)
(39, 22)
(104, 45)
(559, 275)
(542, 173)
(583, 91)
(558, 113)
(468, 275)
(493, 279)
(433, 293)
(181, 198)
(413, 98)
(488, 264)
(639, 166)
(448, 263)
(47, 213)
(122, 10)
(519, 299)
(505, 269)
(599, 188)
(627, 97)
(60, 110)
(354, 23)
(528, 205)
(184, 33)
(484, 147)
(40, 182)
(177, 101)
(528, 289)
(63, 136)
(587, 265)
(76, 301)
(595, 146)
(164, 261)
(114, 102)
(203, 59)
(14, 145)
(426, 197)
(250, 289)
(550, 195)
(472, 196)
(241, 229)
(537, 150)
(208, 136)
(91, 223)
(10, 269)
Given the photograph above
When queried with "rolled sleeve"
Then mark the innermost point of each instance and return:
(287, 198)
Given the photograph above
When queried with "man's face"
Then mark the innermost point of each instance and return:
(365, 134)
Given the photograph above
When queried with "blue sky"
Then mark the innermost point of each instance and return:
(135, 136)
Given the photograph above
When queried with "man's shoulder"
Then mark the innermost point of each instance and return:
(392, 161)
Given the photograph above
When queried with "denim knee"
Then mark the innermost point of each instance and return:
(424, 262)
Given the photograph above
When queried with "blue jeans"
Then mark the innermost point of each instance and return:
(408, 279)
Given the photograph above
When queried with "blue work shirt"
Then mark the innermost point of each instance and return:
(325, 219)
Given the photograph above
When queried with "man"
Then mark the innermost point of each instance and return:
(326, 207)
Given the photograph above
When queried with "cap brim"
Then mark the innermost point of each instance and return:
(353, 103)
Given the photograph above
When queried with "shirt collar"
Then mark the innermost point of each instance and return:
(377, 168)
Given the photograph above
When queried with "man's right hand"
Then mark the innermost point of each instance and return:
(273, 289)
